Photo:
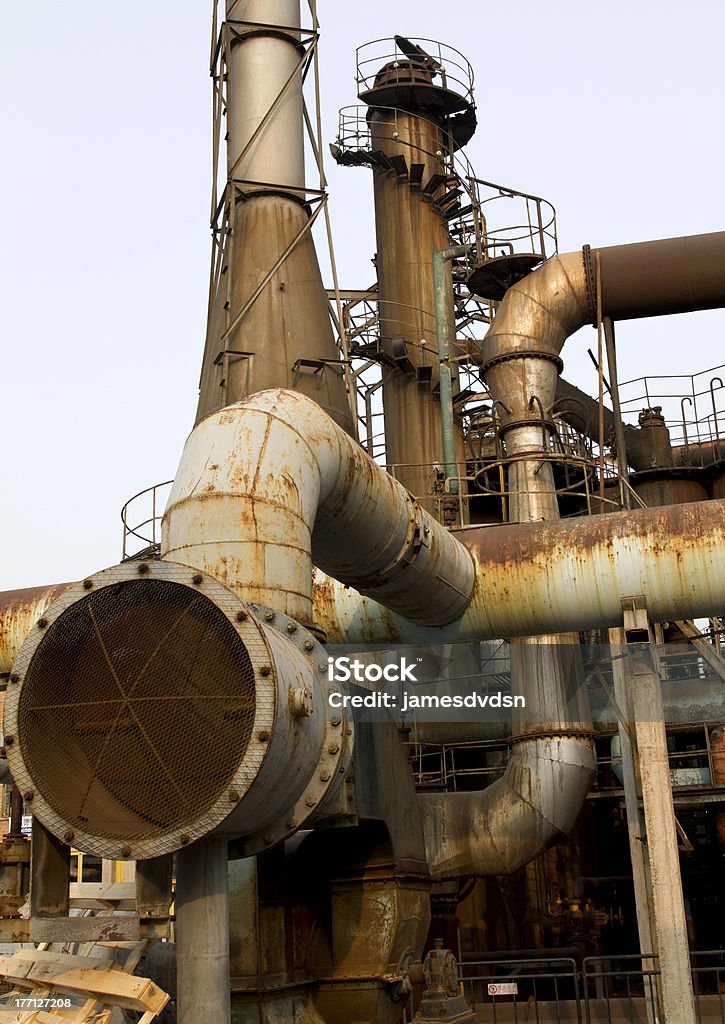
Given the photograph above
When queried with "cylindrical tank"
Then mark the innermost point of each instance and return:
(717, 488)
(667, 489)
(149, 707)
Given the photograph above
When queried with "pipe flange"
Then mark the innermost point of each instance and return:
(417, 536)
(512, 424)
(267, 31)
(547, 734)
(591, 283)
(505, 357)
(334, 762)
(139, 589)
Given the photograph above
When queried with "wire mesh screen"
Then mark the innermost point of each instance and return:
(137, 708)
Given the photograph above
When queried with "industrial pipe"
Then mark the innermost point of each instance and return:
(271, 484)
(441, 292)
(570, 575)
(19, 611)
(669, 275)
(264, 71)
(530, 578)
(498, 830)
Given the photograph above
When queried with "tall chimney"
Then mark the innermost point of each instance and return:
(268, 323)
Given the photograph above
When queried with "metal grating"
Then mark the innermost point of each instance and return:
(120, 700)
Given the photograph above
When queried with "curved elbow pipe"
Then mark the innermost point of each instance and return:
(497, 831)
(654, 278)
(271, 484)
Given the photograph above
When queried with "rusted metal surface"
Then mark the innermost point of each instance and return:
(533, 578)
(19, 611)
(378, 885)
(717, 756)
(130, 628)
(268, 485)
(49, 874)
(537, 800)
(497, 831)
(408, 230)
(268, 322)
(669, 275)
(665, 489)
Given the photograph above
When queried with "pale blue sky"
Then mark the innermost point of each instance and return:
(612, 111)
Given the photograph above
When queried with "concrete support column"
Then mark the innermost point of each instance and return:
(635, 821)
(668, 909)
(202, 933)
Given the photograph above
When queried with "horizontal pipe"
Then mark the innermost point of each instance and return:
(536, 578)
(531, 578)
(669, 275)
(19, 611)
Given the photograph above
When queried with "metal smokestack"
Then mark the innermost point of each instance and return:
(268, 323)
(420, 111)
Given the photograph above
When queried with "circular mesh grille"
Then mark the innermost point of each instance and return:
(136, 709)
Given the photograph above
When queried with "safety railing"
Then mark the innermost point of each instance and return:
(439, 65)
(627, 988)
(509, 221)
(505, 991)
(141, 518)
(613, 989)
(693, 408)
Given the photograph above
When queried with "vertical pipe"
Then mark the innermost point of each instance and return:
(617, 410)
(202, 933)
(261, 65)
(441, 292)
(268, 323)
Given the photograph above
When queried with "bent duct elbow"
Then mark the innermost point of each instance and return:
(271, 484)
(499, 830)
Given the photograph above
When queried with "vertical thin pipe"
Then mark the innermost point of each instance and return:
(443, 316)
(601, 383)
(617, 409)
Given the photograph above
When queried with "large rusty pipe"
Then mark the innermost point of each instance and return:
(670, 275)
(535, 578)
(530, 578)
(497, 831)
(271, 484)
(19, 611)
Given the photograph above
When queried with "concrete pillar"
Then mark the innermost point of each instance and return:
(635, 821)
(202, 933)
(668, 909)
